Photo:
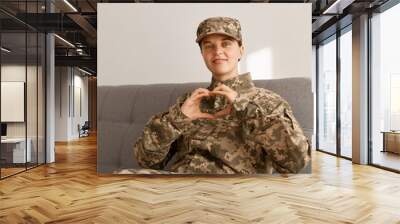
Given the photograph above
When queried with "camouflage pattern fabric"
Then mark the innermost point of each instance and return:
(141, 171)
(221, 25)
(260, 135)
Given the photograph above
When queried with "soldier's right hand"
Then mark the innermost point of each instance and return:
(191, 107)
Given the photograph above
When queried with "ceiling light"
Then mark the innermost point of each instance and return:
(64, 40)
(86, 72)
(70, 5)
(338, 6)
(5, 49)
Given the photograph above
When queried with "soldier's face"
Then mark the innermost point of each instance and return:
(221, 54)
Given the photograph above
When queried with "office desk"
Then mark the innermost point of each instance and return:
(13, 150)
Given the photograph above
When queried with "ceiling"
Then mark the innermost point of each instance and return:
(76, 22)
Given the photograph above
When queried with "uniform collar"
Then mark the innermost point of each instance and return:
(238, 83)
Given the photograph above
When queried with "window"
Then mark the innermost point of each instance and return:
(333, 137)
(327, 96)
(385, 88)
(346, 93)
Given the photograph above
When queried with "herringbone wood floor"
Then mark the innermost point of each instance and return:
(70, 191)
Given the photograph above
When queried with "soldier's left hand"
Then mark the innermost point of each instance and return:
(224, 90)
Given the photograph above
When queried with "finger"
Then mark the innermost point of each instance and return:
(197, 93)
(219, 93)
(202, 94)
(198, 90)
(224, 87)
(217, 88)
(199, 96)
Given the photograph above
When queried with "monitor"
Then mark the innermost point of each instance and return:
(3, 129)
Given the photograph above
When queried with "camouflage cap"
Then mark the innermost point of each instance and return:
(221, 25)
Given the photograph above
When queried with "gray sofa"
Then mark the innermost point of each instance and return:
(124, 110)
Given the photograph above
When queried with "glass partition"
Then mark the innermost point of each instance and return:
(31, 100)
(22, 77)
(327, 96)
(13, 98)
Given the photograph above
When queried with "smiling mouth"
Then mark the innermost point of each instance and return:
(219, 61)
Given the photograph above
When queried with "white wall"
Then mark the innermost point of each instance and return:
(79, 117)
(17, 73)
(67, 116)
(155, 43)
(62, 80)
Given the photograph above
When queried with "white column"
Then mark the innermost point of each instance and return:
(50, 110)
(360, 90)
(50, 92)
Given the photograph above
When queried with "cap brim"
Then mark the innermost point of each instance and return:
(199, 38)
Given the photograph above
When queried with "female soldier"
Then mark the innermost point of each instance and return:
(229, 127)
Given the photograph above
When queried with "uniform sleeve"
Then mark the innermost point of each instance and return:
(271, 124)
(152, 147)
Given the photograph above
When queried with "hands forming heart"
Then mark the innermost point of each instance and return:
(191, 107)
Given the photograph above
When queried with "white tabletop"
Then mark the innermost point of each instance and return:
(13, 140)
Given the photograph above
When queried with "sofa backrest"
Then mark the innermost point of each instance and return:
(124, 110)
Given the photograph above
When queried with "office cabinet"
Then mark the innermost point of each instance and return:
(391, 142)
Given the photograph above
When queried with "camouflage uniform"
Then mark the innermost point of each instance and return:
(260, 133)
